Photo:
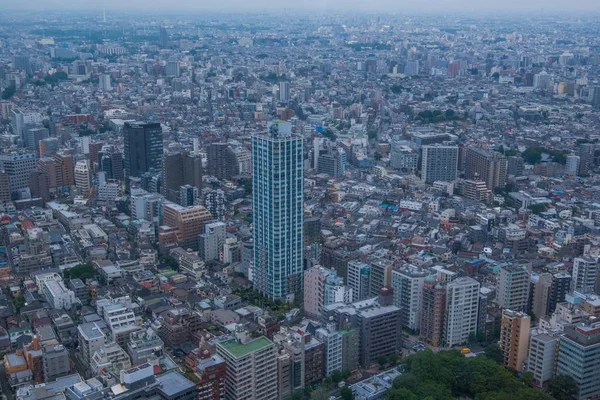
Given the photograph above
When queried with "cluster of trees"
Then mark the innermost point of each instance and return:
(256, 298)
(272, 77)
(533, 155)
(81, 271)
(9, 92)
(428, 116)
(19, 302)
(449, 375)
(56, 77)
(329, 134)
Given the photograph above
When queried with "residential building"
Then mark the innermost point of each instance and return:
(58, 295)
(212, 372)
(432, 311)
(18, 167)
(90, 339)
(222, 161)
(462, 306)
(541, 362)
(181, 168)
(251, 368)
(439, 163)
(109, 358)
(278, 212)
(513, 288)
(585, 270)
(514, 338)
(408, 283)
(380, 277)
(83, 177)
(56, 362)
(332, 340)
(144, 345)
(489, 167)
(186, 224)
(358, 280)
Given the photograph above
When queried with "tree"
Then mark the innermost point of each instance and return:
(493, 353)
(372, 135)
(537, 208)
(562, 387)
(336, 377)
(533, 155)
(527, 378)
(80, 271)
(346, 393)
(19, 302)
(496, 75)
(382, 360)
(9, 92)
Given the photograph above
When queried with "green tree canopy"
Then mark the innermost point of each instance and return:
(562, 387)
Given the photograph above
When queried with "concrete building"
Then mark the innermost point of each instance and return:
(578, 352)
(83, 177)
(144, 345)
(251, 368)
(513, 288)
(56, 362)
(539, 293)
(408, 294)
(332, 340)
(18, 167)
(462, 300)
(186, 224)
(489, 167)
(381, 276)
(58, 295)
(180, 168)
(541, 362)
(572, 165)
(212, 372)
(109, 358)
(432, 311)
(514, 338)
(90, 339)
(278, 212)
(585, 270)
(439, 163)
(222, 161)
(380, 332)
(560, 286)
(358, 279)
(143, 148)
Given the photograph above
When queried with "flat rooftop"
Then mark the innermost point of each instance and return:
(238, 350)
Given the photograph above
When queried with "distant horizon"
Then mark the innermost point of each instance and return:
(466, 7)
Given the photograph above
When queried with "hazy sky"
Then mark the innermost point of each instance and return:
(394, 6)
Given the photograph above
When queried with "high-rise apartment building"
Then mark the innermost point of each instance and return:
(163, 37)
(489, 167)
(143, 148)
(277, 190)
(5, 193)
(284, 92)
(63, 164)
(381, 276)
(408, 294)
(513, 288)
(560, 286)
(439, 163)
(514, 338)
(251, 371)
(358, 279)
(462, 307)
(585, 270)
(541, 361)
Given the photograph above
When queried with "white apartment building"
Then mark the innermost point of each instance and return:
(58, 295)
(462, 305)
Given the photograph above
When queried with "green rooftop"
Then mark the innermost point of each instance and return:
(239, 350)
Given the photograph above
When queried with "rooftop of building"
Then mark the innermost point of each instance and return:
(239, 350)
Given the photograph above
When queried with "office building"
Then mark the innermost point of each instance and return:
(278, 212)
(188, 195)
(64, 171)
(144, 345)
(185, 224)
(585, 270)
(214, 201)
(404, 158)
(541, 361)
(578, 353)
(439, 163)
(332, 164)
(489, 167)
(284, 92)
(180, 168)
(33, 136)
(18, 167)
(462, 306)
(163, 38)
(514, 338)
(173, 69)
(408, 294)
(476, 190)
(251, 371)
(104, 83)
(539, 294)
(109, 358)
(513, 288)
(143, 148)
(560, 286)
(83, 177)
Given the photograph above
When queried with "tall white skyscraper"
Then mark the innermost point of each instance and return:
(83, 178)
(277, 194)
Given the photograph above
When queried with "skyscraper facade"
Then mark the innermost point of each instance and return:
(277, 183)
(143, 148)
(489, 167)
